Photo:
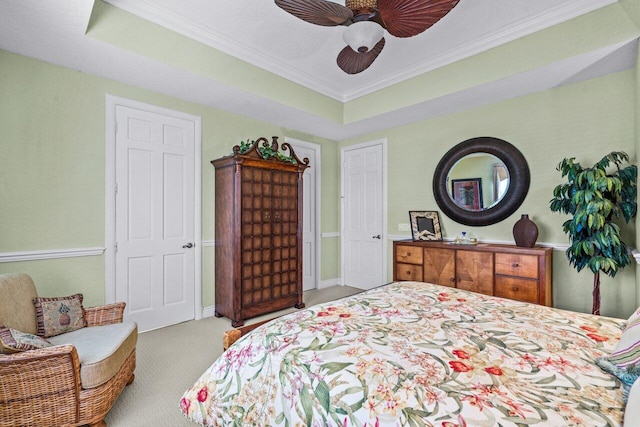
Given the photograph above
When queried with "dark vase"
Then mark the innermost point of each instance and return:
(525, 232)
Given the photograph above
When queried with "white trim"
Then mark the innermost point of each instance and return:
(49, 254)
(317, 149)
(331, 234)
(384, 207)
(165, 17)
(207, 243)
(111, 102)
(330, 282)
(561, 13)
(209, 311)
(555, 246)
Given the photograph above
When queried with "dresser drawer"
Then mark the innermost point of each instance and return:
(517, 289)
(517, 265)
(408, 272)
(409, 254)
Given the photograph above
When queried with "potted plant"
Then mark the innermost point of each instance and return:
(596, 197)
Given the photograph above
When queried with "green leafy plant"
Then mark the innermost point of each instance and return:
(246, 146)
(595, 197)
(265, 151)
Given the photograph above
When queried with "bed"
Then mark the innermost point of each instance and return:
(416, 354)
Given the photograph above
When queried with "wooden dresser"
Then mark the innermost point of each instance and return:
(258, 248)
(508, 271)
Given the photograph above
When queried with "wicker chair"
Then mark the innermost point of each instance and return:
(44, 387)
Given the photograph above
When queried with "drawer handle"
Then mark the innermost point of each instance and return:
(514, 288)
(515, 265)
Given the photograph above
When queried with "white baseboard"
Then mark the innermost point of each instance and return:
(328, 283)
(209, 311)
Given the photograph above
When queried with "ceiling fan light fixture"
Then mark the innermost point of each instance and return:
(362, 36)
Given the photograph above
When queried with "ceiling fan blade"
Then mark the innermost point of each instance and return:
(352, 62)
(407, 18)
(319, 12)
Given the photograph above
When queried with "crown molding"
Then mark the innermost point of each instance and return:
(563, 12)
(157, 14)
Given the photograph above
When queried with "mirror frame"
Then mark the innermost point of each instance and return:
(519, 176)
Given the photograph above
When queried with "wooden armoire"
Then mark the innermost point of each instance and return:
(258, 236)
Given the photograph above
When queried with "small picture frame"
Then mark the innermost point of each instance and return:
(425, 225)
(467, 193)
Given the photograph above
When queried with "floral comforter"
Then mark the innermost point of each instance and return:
(415, 354)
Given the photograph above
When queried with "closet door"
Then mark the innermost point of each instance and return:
(256, 237)
(285, 227)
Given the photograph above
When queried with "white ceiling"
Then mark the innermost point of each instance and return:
(259, 32)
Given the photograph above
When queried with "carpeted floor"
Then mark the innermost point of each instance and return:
(169, 360)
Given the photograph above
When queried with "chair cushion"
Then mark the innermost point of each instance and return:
(17, 292)
(14, 341)
(59, 315)
(101, 349)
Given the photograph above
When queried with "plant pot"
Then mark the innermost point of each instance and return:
(525, 232)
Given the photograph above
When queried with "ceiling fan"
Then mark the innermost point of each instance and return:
(366, 21)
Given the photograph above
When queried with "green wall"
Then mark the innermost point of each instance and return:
(53, 185)
(585, 120)
(53, 181)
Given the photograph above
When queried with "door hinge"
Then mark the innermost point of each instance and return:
(115, 189)
(115, 125)
(115, 247)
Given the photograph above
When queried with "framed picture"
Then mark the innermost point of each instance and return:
(425, 225)
(467, 193)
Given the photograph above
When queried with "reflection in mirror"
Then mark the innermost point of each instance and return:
(500, 181)
(477, 182)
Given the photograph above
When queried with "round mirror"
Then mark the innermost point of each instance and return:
(481, 181)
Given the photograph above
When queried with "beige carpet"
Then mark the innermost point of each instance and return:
(169, 360)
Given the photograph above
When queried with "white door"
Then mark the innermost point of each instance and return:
(155, 261)
(309, 221)
(363, 218)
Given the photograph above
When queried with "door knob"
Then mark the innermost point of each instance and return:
(188, 245)
(377, 237)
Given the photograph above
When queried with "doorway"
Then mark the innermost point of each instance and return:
(311, 212)
(153, 213)
(364, 206)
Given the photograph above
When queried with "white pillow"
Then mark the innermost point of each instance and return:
(632, 412)
(635, 315)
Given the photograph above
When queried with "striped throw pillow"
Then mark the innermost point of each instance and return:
(624, 360)
(627, 352)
